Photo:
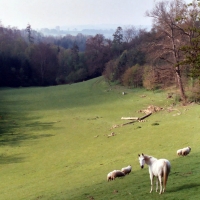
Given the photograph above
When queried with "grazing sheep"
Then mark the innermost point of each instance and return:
(179, 152)
(109, 176)
(127, 169)
(184, 152)
(117, 173)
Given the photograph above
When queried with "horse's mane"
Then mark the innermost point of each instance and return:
(148, 157)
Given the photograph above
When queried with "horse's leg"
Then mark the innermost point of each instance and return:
(151, 178)
(160, 180)
(157, 184)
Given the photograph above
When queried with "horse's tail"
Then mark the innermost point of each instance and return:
(166, 170)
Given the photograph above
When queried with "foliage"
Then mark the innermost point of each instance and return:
(76, 76)
(115, 69)
(109, 72)
(149, 78)
(136, 56)
(194, 91)
(133, 76)
(58, 60)
(192, 55)
(44, 63)
(30, 37)
(97, 54)
(117, 43)
(171, 47)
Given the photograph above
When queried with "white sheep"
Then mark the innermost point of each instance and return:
(184, 152)
(127, 169)
(179, 152)
(109, 176)
(114, 174)
(117, 173)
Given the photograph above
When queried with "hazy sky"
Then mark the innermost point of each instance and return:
(51, 13)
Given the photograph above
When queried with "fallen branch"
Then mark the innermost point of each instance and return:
(128, 123)
(137, 118)
(130, 118)
(134, 119)
(141, 118)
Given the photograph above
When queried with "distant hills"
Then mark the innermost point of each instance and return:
(105, 29)
(57, 32)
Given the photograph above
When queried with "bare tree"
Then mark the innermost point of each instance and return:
(97, 54)
(129, 33)
(44, 62)
(169, 36)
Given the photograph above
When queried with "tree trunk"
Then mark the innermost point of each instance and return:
(180, 84)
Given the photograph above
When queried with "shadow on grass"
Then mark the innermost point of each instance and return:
(185, 173)
(16, 128)
(11, 159)
(184, 187)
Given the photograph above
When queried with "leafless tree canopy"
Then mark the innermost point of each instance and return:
(170, 20)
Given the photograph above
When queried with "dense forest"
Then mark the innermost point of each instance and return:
(168, 54)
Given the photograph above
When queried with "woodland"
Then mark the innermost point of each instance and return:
(166, 55)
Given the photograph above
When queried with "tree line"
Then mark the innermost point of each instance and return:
(168, 54)
(27, 58)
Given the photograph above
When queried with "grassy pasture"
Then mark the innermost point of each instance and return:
(48, 148)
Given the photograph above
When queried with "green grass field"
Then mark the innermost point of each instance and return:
(49, 149)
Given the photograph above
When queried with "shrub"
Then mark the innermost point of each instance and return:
(149, 78)
(194, 92)
(133, 76)
(76, 76)
(158, 77)
(110, 70)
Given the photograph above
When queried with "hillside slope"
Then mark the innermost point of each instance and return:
(54, 142)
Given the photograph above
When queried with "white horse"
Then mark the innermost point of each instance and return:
(157, 167)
